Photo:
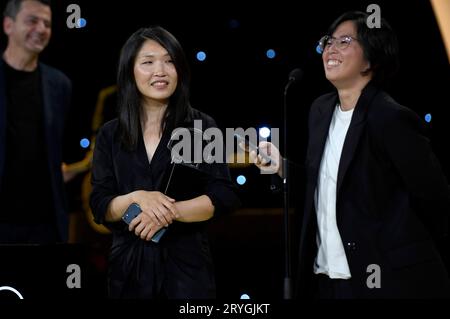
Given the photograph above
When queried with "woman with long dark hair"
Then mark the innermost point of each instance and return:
(132, 165)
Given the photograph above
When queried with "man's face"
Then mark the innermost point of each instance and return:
(31, 29)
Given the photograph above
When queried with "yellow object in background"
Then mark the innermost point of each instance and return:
(441, 10)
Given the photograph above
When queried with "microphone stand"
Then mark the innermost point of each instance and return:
(287, 284)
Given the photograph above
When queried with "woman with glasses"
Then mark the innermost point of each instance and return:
(377, 200)
(133, 181)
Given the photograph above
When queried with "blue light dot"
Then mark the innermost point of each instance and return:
(428, 117)
(234, 24)
(84, 143)
(319, 49)
(245, 296)
(81, 23)
(201, 56)
(270, 53)
(264, 132)
(241, 179)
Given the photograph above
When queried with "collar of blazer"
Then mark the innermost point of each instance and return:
(2, 117)
(320, 131)
(2, 97)
(49, 90)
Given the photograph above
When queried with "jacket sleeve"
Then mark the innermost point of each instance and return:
(104, 185)
(219, 186)
(221, 190)
(419, 169)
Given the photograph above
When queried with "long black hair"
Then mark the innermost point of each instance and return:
(380, 45)
(128, 96)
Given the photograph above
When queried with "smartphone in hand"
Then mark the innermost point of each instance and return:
(249, 146)
(133, 211)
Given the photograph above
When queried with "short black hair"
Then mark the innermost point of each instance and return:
(380, 45)
(13, 7)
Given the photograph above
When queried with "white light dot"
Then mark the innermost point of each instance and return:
(264, 132)
(241, 180)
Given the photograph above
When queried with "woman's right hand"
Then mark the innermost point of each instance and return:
(144, 227)
(158, 207)
(274, 166)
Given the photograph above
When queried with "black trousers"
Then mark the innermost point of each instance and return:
(328, 288)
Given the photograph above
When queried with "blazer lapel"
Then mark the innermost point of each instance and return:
(47, 91)
(2, 116)
(319, 132)
(320, 119)
(355, 131)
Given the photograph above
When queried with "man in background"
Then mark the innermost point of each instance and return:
(34, 99)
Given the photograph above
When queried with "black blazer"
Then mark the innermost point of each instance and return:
(180, 265)
(392, 199)
(56, 93)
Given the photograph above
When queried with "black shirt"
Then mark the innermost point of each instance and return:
(180, 265)
(25, 194)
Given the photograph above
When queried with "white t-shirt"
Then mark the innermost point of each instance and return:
(331, 259)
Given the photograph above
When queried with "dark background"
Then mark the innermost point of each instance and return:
(240, 87)
(236, 83)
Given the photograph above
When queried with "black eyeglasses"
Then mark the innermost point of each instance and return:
(341, 43)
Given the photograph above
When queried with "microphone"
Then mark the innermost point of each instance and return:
(295, 75)
(249, 146)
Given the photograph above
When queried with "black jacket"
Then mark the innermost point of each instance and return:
(180, 265)
(56, 93)
(392, 199)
